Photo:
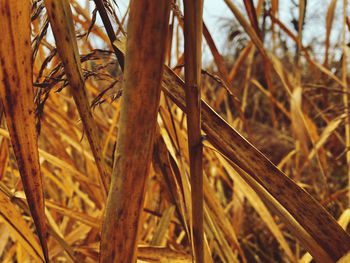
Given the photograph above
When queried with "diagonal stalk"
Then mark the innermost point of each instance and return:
(109, 29)
(60, 16)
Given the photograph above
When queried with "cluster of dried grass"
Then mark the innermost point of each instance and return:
(89, 202)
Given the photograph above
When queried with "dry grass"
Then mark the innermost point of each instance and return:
(276, 198)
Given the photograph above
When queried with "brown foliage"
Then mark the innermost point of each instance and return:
(182, 181)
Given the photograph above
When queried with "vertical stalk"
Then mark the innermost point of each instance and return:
(346, 97)
(144, 62)
(193, 42)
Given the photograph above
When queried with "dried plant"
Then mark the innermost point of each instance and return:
(110, 152)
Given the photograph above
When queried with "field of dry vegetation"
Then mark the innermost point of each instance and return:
(116, 145)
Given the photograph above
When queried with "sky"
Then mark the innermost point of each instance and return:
(216, 14)
(216, 11)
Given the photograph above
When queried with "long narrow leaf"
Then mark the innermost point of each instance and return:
(317, 222)
(13, 219)
(18, 99)
(306, 211)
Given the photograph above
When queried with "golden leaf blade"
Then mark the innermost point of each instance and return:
(17, 96)
(14, 220)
